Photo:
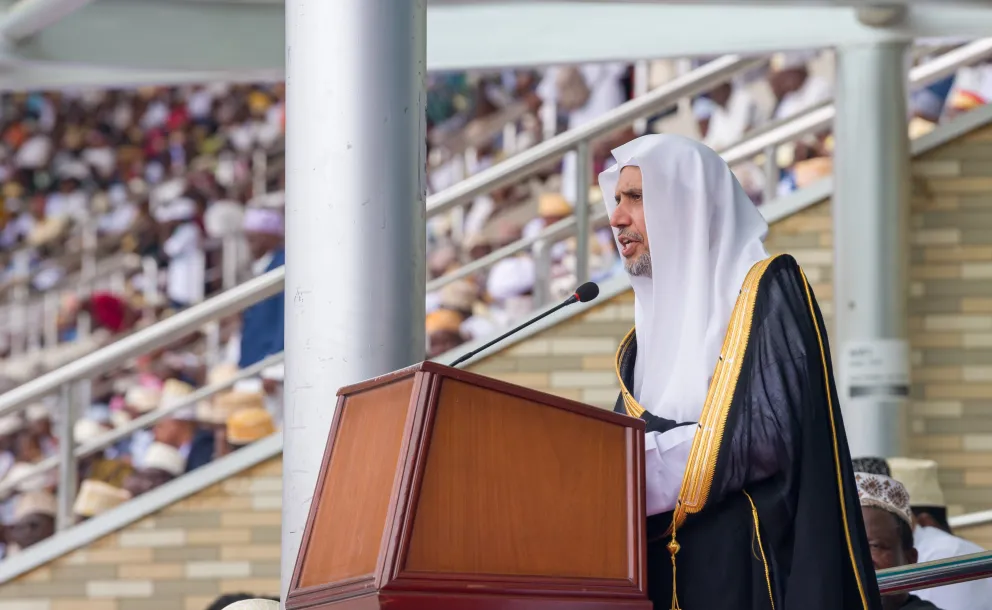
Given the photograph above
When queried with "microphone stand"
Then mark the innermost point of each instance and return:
(565, 303)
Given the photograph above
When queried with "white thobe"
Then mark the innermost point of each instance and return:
(931, 544)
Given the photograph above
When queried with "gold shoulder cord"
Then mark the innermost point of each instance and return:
(698, 477)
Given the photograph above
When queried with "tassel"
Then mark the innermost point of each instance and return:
(673, 548)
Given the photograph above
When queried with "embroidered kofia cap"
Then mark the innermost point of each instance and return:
(883, 492)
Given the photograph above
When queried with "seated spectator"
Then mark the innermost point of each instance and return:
(262, 332)
(180, 220)
(889, 526)
(97, 497)
(33, 520)
(248, 425)
(511, 287)
(443, 331)
(162, 463)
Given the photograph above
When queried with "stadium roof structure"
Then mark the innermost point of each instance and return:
(60, 43)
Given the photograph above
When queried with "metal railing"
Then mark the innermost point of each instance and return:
(72, 381)
(761, 141)
(935, 573)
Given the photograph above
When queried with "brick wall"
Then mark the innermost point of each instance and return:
(224, 539)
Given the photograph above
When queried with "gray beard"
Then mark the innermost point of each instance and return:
(640, 266)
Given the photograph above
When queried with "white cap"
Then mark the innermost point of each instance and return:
(96, 497)
(164, 457)
(23, 480)
(85, 430)
(919, 477)
(11, 424)
(791, 60)
(35, 503)
(141, 398)
(511, 277)
(36, 412)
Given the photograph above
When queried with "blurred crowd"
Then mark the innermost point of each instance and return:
(164, 173)
(477, 123)
(158, 172)
(187, 433)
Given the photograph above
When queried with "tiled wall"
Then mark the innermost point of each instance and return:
(224, 539)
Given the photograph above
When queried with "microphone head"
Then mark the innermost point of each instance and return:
(587, 292)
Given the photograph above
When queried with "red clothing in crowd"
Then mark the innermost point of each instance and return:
(109, 311)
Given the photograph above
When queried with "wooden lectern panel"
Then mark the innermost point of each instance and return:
(351, 513)
(444, 490)
(506, 490)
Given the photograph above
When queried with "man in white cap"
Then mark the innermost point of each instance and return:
(889, 527)
(748, 474)
(262, 330)
(184, 247)
(33, 519)
(162, 464)
(933, 538)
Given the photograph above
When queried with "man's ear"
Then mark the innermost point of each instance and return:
(911, 555)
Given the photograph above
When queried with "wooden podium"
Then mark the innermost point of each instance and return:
(445, 490)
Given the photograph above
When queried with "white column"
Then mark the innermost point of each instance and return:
(870, 209)
(355, 213)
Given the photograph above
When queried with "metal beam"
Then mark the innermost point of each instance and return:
(28, 17)
(164, 35)
(242, 39)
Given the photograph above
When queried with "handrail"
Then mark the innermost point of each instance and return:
(531, 160)
(142, 341)
(140, 423)
(821, 116)
(562, 229)
(938, 573)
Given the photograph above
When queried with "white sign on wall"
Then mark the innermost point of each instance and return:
(874, 369)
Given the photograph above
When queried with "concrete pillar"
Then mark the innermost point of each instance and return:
(355, 214)
(870, 208)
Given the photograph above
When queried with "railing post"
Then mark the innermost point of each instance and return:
(51, 317)
(67, 458)
(583, 166)
(542, 273)
(771, 175)
(229, 261)
(149, 283)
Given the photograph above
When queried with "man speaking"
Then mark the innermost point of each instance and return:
(751, 498)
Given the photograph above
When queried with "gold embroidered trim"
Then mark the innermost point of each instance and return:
(699, 470)
(630, 405)
(761, 548)
(833, 433)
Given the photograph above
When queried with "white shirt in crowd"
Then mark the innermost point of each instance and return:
(931, 544)
(186, 263)
(727, 126)
(815, 89)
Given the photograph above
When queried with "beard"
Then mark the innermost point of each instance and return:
(639, 266)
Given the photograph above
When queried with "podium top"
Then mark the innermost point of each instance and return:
(440, 370)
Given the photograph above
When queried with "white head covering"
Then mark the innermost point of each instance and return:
(265, 221)
(920, 479)
(705, 234)
(165, 457)
(880, 491)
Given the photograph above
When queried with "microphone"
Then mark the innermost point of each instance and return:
(583, 294)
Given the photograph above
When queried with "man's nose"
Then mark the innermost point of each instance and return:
(619, 218)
